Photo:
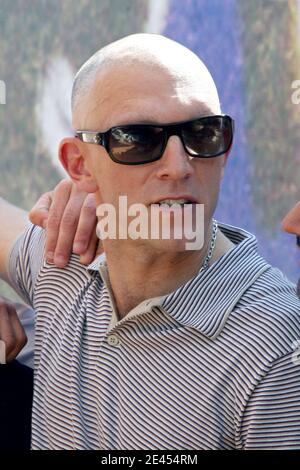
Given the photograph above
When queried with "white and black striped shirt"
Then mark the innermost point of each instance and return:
(212, 365)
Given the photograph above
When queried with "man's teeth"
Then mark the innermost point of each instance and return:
(170, 202)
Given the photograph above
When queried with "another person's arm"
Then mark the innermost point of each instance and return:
(69, 217)
(12, 223)
(12, 334)
(67, 214)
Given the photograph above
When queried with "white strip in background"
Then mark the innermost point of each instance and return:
(2, 92)
(157, 15)
(298, 4)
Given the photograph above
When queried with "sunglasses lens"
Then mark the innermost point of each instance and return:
(136, 144)
(208, 137)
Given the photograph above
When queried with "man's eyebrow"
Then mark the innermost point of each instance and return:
(133, 118)
(152, 120)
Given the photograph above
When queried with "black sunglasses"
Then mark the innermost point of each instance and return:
(205, 137)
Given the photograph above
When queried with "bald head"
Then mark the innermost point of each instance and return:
(124, 63)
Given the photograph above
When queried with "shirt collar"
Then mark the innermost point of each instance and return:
(206, 301)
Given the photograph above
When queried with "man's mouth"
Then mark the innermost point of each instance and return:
(170, 202)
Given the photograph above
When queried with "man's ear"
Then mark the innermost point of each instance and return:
(74, 160)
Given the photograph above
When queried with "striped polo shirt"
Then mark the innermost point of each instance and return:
(212, 365)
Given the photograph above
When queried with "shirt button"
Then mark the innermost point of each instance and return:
(113, 340)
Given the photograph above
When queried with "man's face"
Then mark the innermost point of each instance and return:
(147, 96)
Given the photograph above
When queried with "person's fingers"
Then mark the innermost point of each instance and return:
(12, 333)
(69, 216)
(68, 227)
(19, 335)
(6, 331)
(291, 222)
(86, 230)
(92, 251)
(61, 197)
(40, 211)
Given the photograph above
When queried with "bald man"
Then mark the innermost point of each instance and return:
(156, 345)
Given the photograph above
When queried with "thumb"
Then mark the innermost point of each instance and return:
(40, 211)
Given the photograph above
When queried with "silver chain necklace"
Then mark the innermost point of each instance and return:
(211, 246)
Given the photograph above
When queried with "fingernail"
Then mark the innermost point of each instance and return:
(49, 257)
(85, 260)
(59, 260)
(78, 247)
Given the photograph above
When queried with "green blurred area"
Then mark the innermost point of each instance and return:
(270, 41)
(7, 291)
(31, 34)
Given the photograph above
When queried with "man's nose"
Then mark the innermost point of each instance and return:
(175, 162)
